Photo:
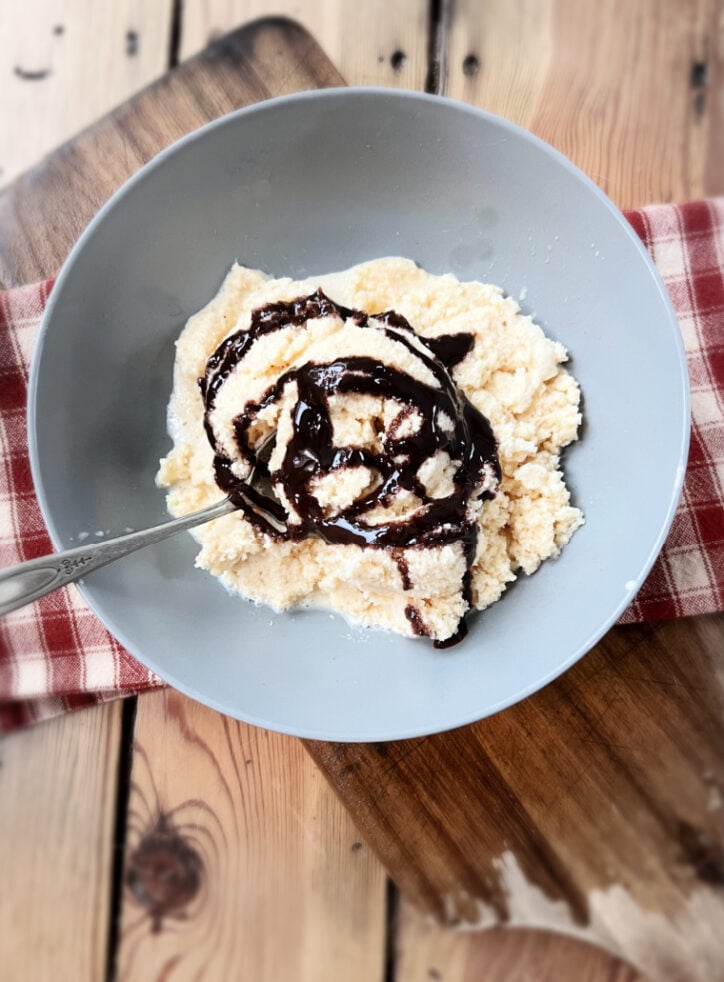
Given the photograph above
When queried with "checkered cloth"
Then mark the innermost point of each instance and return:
(687, 244)
(56, 656)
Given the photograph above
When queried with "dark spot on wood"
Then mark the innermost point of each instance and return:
(174, 41)
(131, 43)
(356, 846)
(247, 762)
(703, 852)
(348, 770)
(397, 60)
(699, 81)
(164, 872)
(380, 59)
(28, 75)
(471, 65)
(433, 973)
(380, 749)
(392, 903)
(58, 30)
(699, 74)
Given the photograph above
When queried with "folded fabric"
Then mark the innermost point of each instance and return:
(56, 656)
(687, 244)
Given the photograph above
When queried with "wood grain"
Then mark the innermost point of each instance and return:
(57, 814)
(271, 58)
(595, 806)
(341, 884)
(426, 953)
(64, 63)
(240, 863)
(374, 42)
(642, 112)
(58, 782)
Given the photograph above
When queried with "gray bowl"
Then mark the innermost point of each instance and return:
(310, 184)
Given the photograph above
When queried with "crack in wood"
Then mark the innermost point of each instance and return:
(439, 20)
(392, 903)
(174, 46)
(120, 832)
(699, 82)
(32, 75)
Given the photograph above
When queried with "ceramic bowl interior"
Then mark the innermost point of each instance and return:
(310, 184)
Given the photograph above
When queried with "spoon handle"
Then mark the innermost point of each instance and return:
(20, 585)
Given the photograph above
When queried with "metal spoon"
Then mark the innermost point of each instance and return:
(22, 584)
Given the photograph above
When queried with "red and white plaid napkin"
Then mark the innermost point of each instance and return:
(687, 244)
(56, 656)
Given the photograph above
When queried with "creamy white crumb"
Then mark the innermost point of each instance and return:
(514, 375)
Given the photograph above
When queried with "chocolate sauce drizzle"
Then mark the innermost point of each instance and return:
(403, 569)
(447, 422)
(418, 625)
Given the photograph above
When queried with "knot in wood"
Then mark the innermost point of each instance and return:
(164, 872)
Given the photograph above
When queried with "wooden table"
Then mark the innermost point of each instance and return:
(262, 873)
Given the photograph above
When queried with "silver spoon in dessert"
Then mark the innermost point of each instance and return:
(26, 582)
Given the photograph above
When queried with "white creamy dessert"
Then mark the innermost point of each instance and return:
(416, 425)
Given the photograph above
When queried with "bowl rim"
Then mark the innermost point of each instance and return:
(382, 94)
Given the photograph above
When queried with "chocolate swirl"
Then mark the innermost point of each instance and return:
(444, 421)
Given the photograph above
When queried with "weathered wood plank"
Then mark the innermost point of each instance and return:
(240, 862)
(676, 662)
(371, 43)
(261, 61)
(65, 63)
(648, 773)
(426, 953)
(631, 92)
(594, 807)
(71, 186)
(57, 816)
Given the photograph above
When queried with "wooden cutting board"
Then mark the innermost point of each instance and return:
(595, 806)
